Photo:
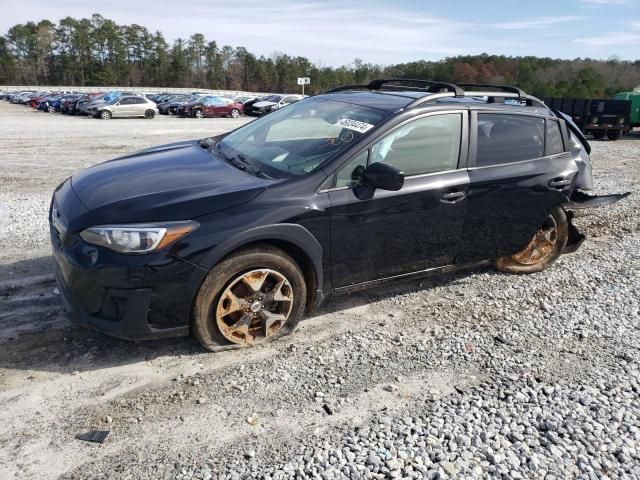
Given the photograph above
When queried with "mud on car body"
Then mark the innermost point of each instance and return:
(233, 238)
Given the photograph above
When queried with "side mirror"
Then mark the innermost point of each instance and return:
(379, 175)
(383, 176)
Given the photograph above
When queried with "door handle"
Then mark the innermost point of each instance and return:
(559, 182)
(452, 197)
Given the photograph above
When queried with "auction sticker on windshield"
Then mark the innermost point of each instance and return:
(355, 125)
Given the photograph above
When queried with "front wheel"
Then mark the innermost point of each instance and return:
(235, 113)
(598, 134)
(198, 114)
(149, 114)
(51, 109)
(255, 295)
(613, 134)
(544, 248)
(105, 114)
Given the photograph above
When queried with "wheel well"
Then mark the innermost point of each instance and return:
(300, 257)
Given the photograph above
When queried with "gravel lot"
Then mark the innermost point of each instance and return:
(473, 375)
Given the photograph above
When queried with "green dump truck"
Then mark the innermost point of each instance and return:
(634, 97)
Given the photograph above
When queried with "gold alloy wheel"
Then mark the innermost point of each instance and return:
(542, 245)
(254, 306)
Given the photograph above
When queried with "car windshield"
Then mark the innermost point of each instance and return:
(297, 139)
(272, 98)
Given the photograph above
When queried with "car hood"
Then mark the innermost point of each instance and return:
(179, 181)
(264, 104)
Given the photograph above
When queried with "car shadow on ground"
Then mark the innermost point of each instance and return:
(36, 335)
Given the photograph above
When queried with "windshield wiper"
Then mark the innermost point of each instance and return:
(240, 162)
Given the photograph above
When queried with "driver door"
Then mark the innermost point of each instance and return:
(416, 228)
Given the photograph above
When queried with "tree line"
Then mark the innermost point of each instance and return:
(98, 51)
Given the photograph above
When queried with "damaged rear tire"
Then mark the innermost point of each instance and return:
(544, 248)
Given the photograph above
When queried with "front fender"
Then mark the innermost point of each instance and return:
(288, 232)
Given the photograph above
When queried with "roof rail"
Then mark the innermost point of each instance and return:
(501, 88)
(435, 89)
(429, 86)
(348, 87)
(432, 86)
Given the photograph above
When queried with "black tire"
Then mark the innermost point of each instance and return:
(104, 114)
(198, 114)
(205, 323)
(549, 253)
(235, 113)
(613, 134)
(149, 114)
(598, 134)
(51, 109)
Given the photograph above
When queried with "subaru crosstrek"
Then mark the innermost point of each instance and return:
(235, 237)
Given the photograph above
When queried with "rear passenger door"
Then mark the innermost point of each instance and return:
(518, 171)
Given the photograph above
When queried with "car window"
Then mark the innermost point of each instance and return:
(139, 100)
(127, 101)
(297, 139)
(289, 99)
(504, 138)
(426, 145)
(553, 138)
(351, 174)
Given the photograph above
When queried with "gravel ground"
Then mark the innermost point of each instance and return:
(472, 375)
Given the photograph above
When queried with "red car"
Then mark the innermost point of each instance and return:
(212, 107)
(35, 101)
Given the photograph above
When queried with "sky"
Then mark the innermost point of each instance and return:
(333, 33)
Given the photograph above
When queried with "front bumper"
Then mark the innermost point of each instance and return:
(134, 297)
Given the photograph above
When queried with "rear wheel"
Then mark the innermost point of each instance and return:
(105, 115)
(198, 114)
(544, 248)
(149, 114)
(613, 134)
(253, 296)
(235, 113)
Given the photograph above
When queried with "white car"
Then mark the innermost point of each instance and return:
(273, 102)
(125, 106)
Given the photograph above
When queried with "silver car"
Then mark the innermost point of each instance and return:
(127, 106)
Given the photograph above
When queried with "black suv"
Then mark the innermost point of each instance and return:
(235, 237)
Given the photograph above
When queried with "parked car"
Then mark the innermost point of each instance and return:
(125, 106)
(164, 106)
(35, 99)
(82, 103)
(47, 103)
(57, 103)
(22, 96)
(235, 237)
(213, 107)
(97, 102)
(271, 103)
(68, 101)
(243, 99)
(179, 107)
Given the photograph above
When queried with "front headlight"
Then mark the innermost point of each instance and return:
(138, 238)
(595, 120)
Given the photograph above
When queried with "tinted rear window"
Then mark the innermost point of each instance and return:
(508, 138)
